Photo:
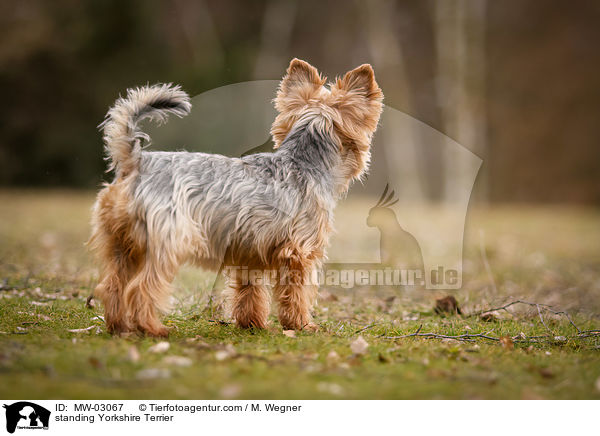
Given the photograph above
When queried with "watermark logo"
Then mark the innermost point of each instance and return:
(25, 415)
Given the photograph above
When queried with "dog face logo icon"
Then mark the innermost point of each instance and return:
(26, 415)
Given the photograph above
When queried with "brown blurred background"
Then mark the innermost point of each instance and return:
(515, 81)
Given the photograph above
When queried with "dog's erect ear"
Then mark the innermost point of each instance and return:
(359, 101)
(298, 85)
(301, 83)
(299, 74)
(360, 81)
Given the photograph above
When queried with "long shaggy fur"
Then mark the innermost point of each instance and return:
(122, 136)
(268, 211)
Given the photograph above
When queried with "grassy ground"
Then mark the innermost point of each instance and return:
(546, 255)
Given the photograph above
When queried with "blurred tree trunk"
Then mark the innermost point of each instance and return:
(275, 39)
(390, 69)
(415, 29)
(460, 36)
(189, 29)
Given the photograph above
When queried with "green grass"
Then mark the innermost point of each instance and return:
(48, 276)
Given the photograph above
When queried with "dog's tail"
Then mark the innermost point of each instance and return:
(122, 135)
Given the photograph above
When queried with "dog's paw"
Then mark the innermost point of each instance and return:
(311, 327)
(160, 333)
(156, 331)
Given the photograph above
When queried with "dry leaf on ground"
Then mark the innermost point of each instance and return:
(226, 353)
(87, 329)
(133, 354)
(506, 342)
(333, 357)
(447, 305)
(161, 347)
(359, 345)
(489, 316)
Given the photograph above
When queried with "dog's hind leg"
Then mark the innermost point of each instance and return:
(110, 292)
(120, 250)
(146, 297)
(134, 289)
(118, 268)
(117, 272)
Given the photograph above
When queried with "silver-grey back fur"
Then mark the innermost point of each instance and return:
(250, 203)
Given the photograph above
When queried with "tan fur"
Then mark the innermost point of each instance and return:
(133, 287)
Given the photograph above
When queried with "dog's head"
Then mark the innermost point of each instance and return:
(347, 109)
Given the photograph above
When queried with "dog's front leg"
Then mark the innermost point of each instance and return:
(295, 294)
(248, 301)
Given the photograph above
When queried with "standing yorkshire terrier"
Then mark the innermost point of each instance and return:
(267, 211)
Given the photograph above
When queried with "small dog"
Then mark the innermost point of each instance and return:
(267, 211)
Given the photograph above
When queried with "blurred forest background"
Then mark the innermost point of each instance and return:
(515, 81)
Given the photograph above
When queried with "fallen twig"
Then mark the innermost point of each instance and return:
(470, 337)
(538, 306)
(220, 322)
(367, 327)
